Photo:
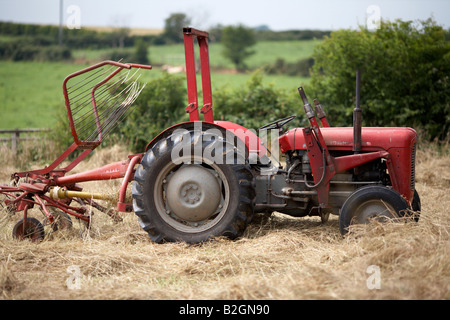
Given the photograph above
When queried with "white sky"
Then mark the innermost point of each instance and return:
(277, 14)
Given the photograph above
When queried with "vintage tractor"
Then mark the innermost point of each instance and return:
(199, 180)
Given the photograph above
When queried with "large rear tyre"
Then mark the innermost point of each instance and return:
(194, 197)
(371, 203)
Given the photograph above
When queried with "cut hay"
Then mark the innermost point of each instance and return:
(277, 258)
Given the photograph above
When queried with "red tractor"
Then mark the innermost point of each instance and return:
(203, 179)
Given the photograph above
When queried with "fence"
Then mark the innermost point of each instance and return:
(15, 136)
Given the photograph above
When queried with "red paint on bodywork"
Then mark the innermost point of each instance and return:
(341, 138)
(398, 142)
(249, 137)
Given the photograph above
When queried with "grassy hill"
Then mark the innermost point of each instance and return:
(265, 52)
(31, 92)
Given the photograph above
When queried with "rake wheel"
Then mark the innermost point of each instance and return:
(62, 221)
(32, 230)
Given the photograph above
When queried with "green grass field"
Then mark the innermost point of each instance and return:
(265, 52)
(31, 92)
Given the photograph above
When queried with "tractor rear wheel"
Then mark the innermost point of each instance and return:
(372, 202)
(193, 199)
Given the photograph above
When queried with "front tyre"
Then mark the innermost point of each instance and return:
(193, 199)
(371, 203)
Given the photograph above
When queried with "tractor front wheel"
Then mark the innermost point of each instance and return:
(192, 198)
(371, 203)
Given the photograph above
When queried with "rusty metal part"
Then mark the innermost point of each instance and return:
(321, 114)
(110, 212)
(28, 228)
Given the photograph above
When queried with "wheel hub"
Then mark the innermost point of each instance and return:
(193, 193)
(375, 209)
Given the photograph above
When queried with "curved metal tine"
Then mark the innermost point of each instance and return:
(124, 111)
(83, 83)
(87, 98)
(117, 114)
(88, 89)
(84, 79)
(131, 98)
(44, 207)
(83, 129)
(100, 68)
(104, 91)
(126, 89)
(107, 108)
(110, 96)
(88, 110)
(132, 92)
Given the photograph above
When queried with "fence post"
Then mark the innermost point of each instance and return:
(15, 136)
(15, 140)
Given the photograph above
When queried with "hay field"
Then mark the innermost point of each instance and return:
(277, 258)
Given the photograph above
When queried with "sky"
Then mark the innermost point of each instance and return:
(278, 15)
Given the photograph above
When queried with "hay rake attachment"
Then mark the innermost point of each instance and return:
(97, 98)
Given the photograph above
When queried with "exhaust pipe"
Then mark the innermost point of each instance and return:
(357, 117)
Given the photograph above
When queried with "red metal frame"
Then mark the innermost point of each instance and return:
(35, 184)
(202, 38)
(120, 67)
(79, 144)
(393, 144)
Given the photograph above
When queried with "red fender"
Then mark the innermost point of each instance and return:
(252, 142)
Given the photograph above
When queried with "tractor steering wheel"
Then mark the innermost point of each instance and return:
(277, 124)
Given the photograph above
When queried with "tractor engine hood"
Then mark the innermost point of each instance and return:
(341, 138)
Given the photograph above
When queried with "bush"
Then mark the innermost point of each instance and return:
(255, 104)
(28, 49)
(140, 52)
(160, 105)
(27, 52)
(54, 53)
(300, 68)
(290, 35)
(405, 76)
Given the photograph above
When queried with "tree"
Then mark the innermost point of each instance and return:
(173, 28)
(120, 31)
(236, 41)
(405, 70)
(141, 52)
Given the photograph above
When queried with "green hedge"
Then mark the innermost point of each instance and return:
(405, 69)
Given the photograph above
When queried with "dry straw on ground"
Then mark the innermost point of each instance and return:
(277, 258)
